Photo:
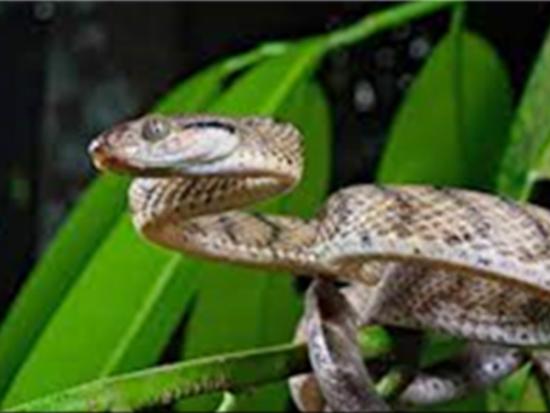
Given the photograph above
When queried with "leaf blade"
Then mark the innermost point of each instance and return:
(427, 120)
(57, 270)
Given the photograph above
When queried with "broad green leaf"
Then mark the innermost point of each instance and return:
(527, 157)
(271, 82)
(126, 296)
(57, 270)
(239, 307)
(443, 137)
(79, 267)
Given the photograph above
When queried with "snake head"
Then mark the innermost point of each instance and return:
(156, 145)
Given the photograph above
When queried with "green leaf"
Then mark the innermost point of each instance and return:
(507, 395)
(527, 157)
(203, 88)
(129, 327)
(120, 305)
(443, 137)
(243, 308)
(57, 270)
(533, 400)
(271, 82)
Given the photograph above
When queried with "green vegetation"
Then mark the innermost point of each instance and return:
(60, 346)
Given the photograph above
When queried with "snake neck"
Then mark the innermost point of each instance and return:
(198, 217)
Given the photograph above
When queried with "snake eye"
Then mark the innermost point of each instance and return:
(155, 129)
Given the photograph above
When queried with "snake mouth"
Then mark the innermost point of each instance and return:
(98, 154)
(105, 159)
(102, 157)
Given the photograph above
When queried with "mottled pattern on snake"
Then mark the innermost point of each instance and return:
(465, 252)
(331, 328)
(476, 367)
(476, 233)
(457, 288)
(418, 296)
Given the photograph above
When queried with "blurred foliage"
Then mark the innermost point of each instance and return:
(101, 301)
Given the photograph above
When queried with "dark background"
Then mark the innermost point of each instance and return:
(68, 70)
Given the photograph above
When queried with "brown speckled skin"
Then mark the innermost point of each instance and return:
(477, 366)
(465, 263)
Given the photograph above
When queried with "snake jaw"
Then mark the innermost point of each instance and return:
(106, 158)
(97, 154)
(101, 156)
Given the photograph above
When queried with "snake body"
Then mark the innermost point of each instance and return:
(462, 262)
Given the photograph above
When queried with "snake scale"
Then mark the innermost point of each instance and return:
(469, 264)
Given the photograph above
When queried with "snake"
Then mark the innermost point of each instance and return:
(458, 261)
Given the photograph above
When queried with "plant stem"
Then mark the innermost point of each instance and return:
(384, 20)
(165, 384)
